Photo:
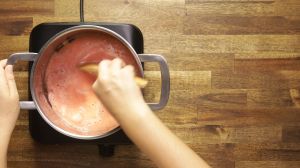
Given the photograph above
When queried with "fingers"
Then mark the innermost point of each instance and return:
(116, 66)
(128, 72)
(103, 69)
(11, 81)
(7, 80)
(3, 82)
(3, 63)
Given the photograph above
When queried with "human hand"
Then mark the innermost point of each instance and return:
(116, 87)
(9, 104)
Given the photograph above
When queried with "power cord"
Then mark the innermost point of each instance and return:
(81, 11)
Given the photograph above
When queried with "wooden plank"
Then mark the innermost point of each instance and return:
(195, 62)
(258, 116)
(218, 134)
(27, 7)
(267, 64)
(21, 79)
(232, 43)
(244, 7)
(265, 56)
(291, 134)
(181, 80)
(157, 43)
(269, 98)
(295, 95)
(12, 44)
(268, 164)
(15, 26)
(229, 1)
(267, 152)
(222, 98)
(256, 80)
(104, 164)
(147, 15)
(236, 25)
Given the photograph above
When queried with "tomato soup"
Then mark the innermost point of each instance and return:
(72, 104)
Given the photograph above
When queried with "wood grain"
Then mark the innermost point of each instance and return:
(235, 78)
(268, 164)
(256, 80)
(267, 64)
(234, 25)
(16, 26)
(291, 134)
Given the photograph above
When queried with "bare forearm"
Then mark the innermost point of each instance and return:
(3, 149)
(121, 96)
(157, 141)
(3, 157)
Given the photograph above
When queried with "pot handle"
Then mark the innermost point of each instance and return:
(29, 56)
(165, 79)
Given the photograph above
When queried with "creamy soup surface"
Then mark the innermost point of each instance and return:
(73, 102)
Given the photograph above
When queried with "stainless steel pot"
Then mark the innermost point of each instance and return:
(41, 59)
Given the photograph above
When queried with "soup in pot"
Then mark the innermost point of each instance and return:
(70, 102)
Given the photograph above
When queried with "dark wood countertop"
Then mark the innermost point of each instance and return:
(235, 78)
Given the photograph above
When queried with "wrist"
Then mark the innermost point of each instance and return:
(4, 144)
(7, 125)
(137, 110)
(3, 153)
(5, 134)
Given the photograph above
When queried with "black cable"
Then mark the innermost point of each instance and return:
(81, 11)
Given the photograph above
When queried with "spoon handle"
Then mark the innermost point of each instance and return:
(93, 69)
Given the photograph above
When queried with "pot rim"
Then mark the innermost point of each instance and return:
(45, 46)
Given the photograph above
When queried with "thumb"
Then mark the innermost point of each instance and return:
(11, 81)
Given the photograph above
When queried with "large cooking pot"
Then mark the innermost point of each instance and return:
(40, 63)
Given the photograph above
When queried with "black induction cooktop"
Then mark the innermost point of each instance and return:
(39, 129)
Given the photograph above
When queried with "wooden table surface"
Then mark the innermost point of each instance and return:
(235, 78)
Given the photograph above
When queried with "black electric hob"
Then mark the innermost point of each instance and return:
(39, 129)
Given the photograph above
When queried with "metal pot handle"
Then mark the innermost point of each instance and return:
(29, 56)
(165, 79)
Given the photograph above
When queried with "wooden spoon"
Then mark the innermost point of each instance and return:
(92, 68)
